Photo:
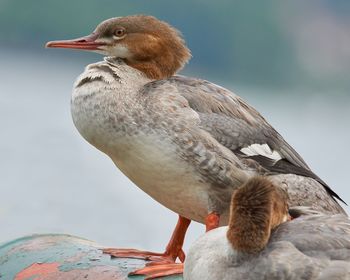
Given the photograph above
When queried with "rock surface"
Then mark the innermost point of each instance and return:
(58, 256)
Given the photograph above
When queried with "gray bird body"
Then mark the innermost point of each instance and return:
(313, 247)
(186, 142)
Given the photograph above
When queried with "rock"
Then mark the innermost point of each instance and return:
(59, 256)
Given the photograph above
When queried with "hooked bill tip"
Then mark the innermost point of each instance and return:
(48, 44)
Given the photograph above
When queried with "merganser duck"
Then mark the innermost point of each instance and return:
(258, 243)
(186, 142)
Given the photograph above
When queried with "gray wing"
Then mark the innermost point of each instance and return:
(231, 120)
(318, 236)
(309, 247)
(239, 127)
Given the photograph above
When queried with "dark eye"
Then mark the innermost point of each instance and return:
(119, 32)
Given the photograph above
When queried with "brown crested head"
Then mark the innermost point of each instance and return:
(257, 207)
(143, 42)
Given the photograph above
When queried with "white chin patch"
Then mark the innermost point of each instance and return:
(261, 150)
(115, 51)
(119, 51)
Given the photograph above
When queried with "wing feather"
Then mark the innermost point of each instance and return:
(236, 125)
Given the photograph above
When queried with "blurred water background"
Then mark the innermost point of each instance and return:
(290, 59)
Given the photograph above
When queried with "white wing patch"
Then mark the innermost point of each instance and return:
(261, 150)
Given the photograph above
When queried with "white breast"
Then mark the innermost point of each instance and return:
(106, 113)
(100, 100)
(154, 165)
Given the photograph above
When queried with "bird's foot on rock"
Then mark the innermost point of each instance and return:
(153, 271)
(161, 258)
(160, 265)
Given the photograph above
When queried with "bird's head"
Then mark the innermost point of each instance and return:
(143, 42)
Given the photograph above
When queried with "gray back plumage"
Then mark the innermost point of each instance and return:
(236, 125)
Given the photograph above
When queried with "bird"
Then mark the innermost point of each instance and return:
(188, 143)
(266, 241)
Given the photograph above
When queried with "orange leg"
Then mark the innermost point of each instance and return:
(163, 264)
(212, 221)
(172, 252)
(157, 270)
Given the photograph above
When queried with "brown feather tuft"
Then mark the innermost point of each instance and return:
(257, 207)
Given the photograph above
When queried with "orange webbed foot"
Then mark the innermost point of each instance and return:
(138, 254)
(160, 270)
